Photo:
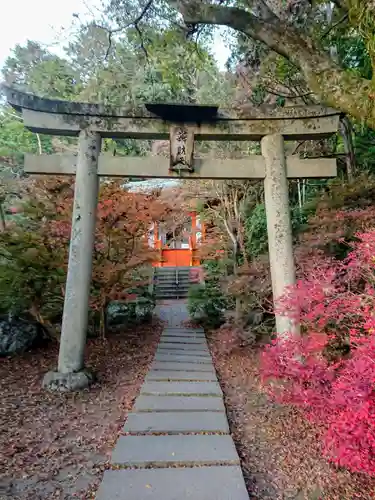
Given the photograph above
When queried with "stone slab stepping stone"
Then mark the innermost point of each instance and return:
(201, 449)
(182, 340)
(179, 388)
(184, 333)
(185, 328)
(173, 328)
(183, 352)
(178, 403)
(202, 483)
(184, 347)
(182, 358)
(177, 366)
(170, 422)
(170, 375)
(181, 337)
(196, 337)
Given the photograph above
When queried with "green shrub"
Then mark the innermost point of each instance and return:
(256, 240)
(206, 305)
(32, 276)
(132, 312)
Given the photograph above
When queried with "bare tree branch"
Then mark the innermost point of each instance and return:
(135, 22)
(334, 25)
(142, 14)
(340, 4)
(143, 47)
(288, 96)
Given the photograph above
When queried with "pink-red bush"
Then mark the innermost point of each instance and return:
(329, 370)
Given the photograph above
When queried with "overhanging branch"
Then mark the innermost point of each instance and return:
(272, 32)
(335, 86)
(135, 22)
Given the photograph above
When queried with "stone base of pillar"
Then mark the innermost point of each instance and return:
(68, 382)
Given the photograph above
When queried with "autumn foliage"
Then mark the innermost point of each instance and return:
(35, 248)
(328, 372)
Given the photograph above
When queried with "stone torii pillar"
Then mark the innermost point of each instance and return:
(182, 125)
(70, 373)
(279, 225)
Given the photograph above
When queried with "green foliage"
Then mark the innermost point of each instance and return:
(352, 52)
(364, 144)
(31, 275)
(215, 270)
(133, 312)
(15, 139)
(256, 239)
(18, 66)
(36, 69)
(206, 305)
(163, 66)
(54, 78)
(256, 231)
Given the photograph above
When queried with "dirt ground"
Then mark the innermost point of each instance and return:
(56, 446)
(279, 450)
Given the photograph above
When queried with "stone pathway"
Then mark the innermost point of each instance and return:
(176, 444)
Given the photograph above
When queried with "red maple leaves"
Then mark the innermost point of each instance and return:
(329, 371)
(121, 255)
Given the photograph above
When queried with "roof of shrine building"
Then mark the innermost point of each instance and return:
(151, 184)
(24, 100)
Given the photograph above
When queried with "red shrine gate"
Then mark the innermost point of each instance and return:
(178, 250)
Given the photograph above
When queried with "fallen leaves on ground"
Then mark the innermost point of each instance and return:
(56, 446)
(279, 450)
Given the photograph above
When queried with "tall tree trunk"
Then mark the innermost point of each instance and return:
(2, 218)
(300, 204)
(238, 306)
(347, 137)
(40, 149)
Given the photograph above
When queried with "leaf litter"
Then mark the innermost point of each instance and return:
(57, 446)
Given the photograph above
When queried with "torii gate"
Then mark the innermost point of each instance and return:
(182, 125)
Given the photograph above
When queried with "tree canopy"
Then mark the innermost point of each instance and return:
(329, 46)
(294, 30)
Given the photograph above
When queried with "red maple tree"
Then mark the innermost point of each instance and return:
(329, 370)
(121, 256)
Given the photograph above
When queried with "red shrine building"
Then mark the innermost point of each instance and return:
(178, 247)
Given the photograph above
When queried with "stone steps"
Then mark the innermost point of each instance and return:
(176, 444)
(172, 282)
